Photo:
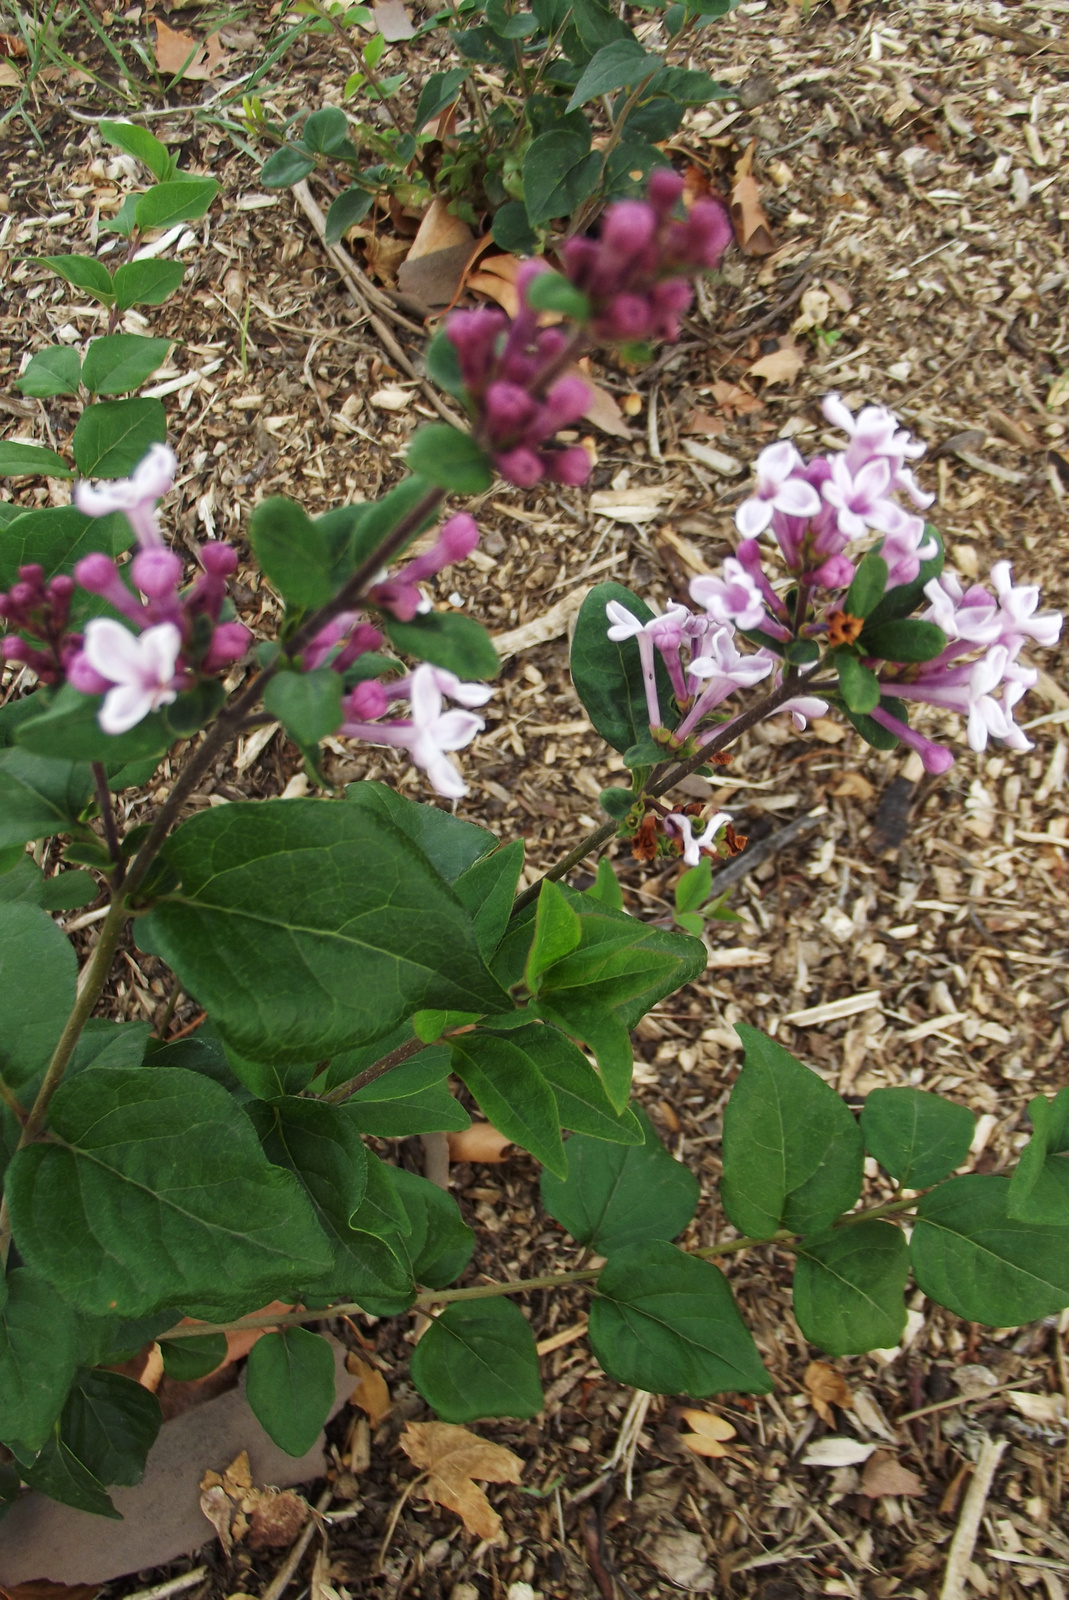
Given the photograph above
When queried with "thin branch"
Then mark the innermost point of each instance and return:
(107, 815)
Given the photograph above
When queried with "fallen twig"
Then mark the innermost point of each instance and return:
(972, 1509)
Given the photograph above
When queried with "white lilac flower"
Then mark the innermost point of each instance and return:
(135, 496)
(1018, 613)
(140, 668)
(735, 597)
(693, 847)
(779, 487)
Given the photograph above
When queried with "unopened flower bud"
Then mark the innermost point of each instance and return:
(571, 466)
(628, 228)
(709, 232)
(156, 572)
(85, 678)
(62, 587)
(836, 573)
(626, 317)
(528, 272)
(96, 573)
(229, 643)
(521, 467)
(15, 649)
(579, 257)
(218, 558)
(564, 404)
(509, 410)
(32, 573)
(367, 701)
(458, 537)
(664, 190)
(473, 335)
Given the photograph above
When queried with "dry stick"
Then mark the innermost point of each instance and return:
(972, 1509)
(280, 1582)
(365, 296)
(107, 814)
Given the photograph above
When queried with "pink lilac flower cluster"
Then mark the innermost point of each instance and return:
(41, 610)
(635, 277)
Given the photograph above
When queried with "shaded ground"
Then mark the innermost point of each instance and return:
(912, 167)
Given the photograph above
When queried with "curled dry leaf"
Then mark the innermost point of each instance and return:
(837, 1452)
(480, 1142)
(752, 230)
(853, 786)
(174, 49)
(371, 1393)
(826, 1388)
(219, 1508)
(1046, 1409)
(452, 1458)
(496, 279)
(709, 1435)
(272, 1518)
(680, 1557)
(883, 1474)
(780, 366)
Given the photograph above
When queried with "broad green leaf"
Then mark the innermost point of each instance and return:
(608, 675)
(450, 844)
(666, 1322)
(186, 1360)
(439, 1242)
(113, 437)
(510, 24)
(512, 232)
(38, 1358)
(487, 890)
(849, 1288)
(289, 1384)
(603, 1033)
(694, 886)
(52, 371)
(158, 1194)
(412, 1098)
(916, 1137)
(606, 886)
(907, 597)
(181, 200)
(19, 460)
(146, 283)
(792, 1151)
(615, 66)
(287, 166)
(268, 1080)
(57, 537)
(83, 272)
(120, 362)
(688, 87)
(271, 895)
(21, 881)
(907, 640)
(447, 639)
(60, 1475)
(326, 132)
(141, 144)
(38, 974)
(1039, 1186)
(39, 797)
(69, 727)
(350, 207)
(557, 933)
(443, 455)
(292, 552)
(858, 684)
(512, 1092)
(478, 1359)
(110, 1044)
(439, 90)
(869, 583)
(616, 1195)
(560, 171)
(551, 291)
(873, 733)
(970, 1255)
(69, 891)
(443, 364)
(582, 1103)
(110, 1424)
(596, 24)
(308, 704)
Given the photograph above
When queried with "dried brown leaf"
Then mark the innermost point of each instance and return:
(384, 256)
(452, 1459)
(780, 366)
(752, 230)
(826, 1388)
(681, 1558)
(371, 1393)
(392, 20)
(853, 786)
(219, 1508)
(604, 412)
(884, 1474)
(709, 1433)
(174, 49)
(480, 1142)
(439, 230)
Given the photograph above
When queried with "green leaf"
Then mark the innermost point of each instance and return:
(560, 171)
(858, 685)
(182, 200)
(307, 703)
(792, 1151)
(582, 1103)
(606, 886)
(55, 539)
(350, 207)
(510, 24)
(802, 652)
(512, 1092)
(450, 844)
(550, 291)
(617, 802)
(512, 232)
(69, 891)
(82, 272)
(628, 167)
(120, 362)
(157, 1194)
(447, 639)
(478, 1359)
(58, 1473)
(186, 1360)
(873, 733)
(141, 144)
(146, 283)
(557, 933)
(326, 132)
(487, 890)
(443, 455)
(286, 167)
(443, 365)
(615, 66)
(69, 726)
(869, 583)
(694, 887)
(38, 1358)
(618, 1195)
(970, 1255)
(849, 1288)
(38, 973)
(666, 1322)
(124, 221)
(439, 1242)
(412, 1098)
(608, 674)
(110, 1424)
(271, 894)
(289, 1384)
(907, 597)
(592, 1022)
(39, 797)
(52, 371)
(18, 460)
(110, 1044)
(1039, 1186)
(439, 90)
(22, 880)
(907, 640)
(113, 437)
(918, 1138)
(688, 87)
(292, 552)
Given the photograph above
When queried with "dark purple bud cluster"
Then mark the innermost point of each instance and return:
(41, 610)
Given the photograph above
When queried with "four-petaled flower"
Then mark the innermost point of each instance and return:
(435, 731)
(736, 597)
(136, 495)
(139, 667)
(693, 847)
(779, 488)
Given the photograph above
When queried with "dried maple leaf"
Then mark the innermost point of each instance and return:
(752, 230)
(452, 1458)
(181, 53)
(826, 1388)
(884, 1474)
(371, 1393)
(709, 1434)
(781, 366)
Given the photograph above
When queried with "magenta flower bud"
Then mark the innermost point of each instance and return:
(709, 232)
(23, 595)
(62, 587)
(367, 701)
(628, 228)
(361, 640)
(14, 649)
(218, 558)
(572, 466)
(564, 404)
(509, 410)
(664, 190)
(156, 572)
(521, 467)
(400, 598)
(551, 341)
(579, 257)
(32, 573)
(626, 317)
(85, 678)
(835, 573)
(528, 272)
(458, 537)
(229, 643)
(473, 335)
(96, 572)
